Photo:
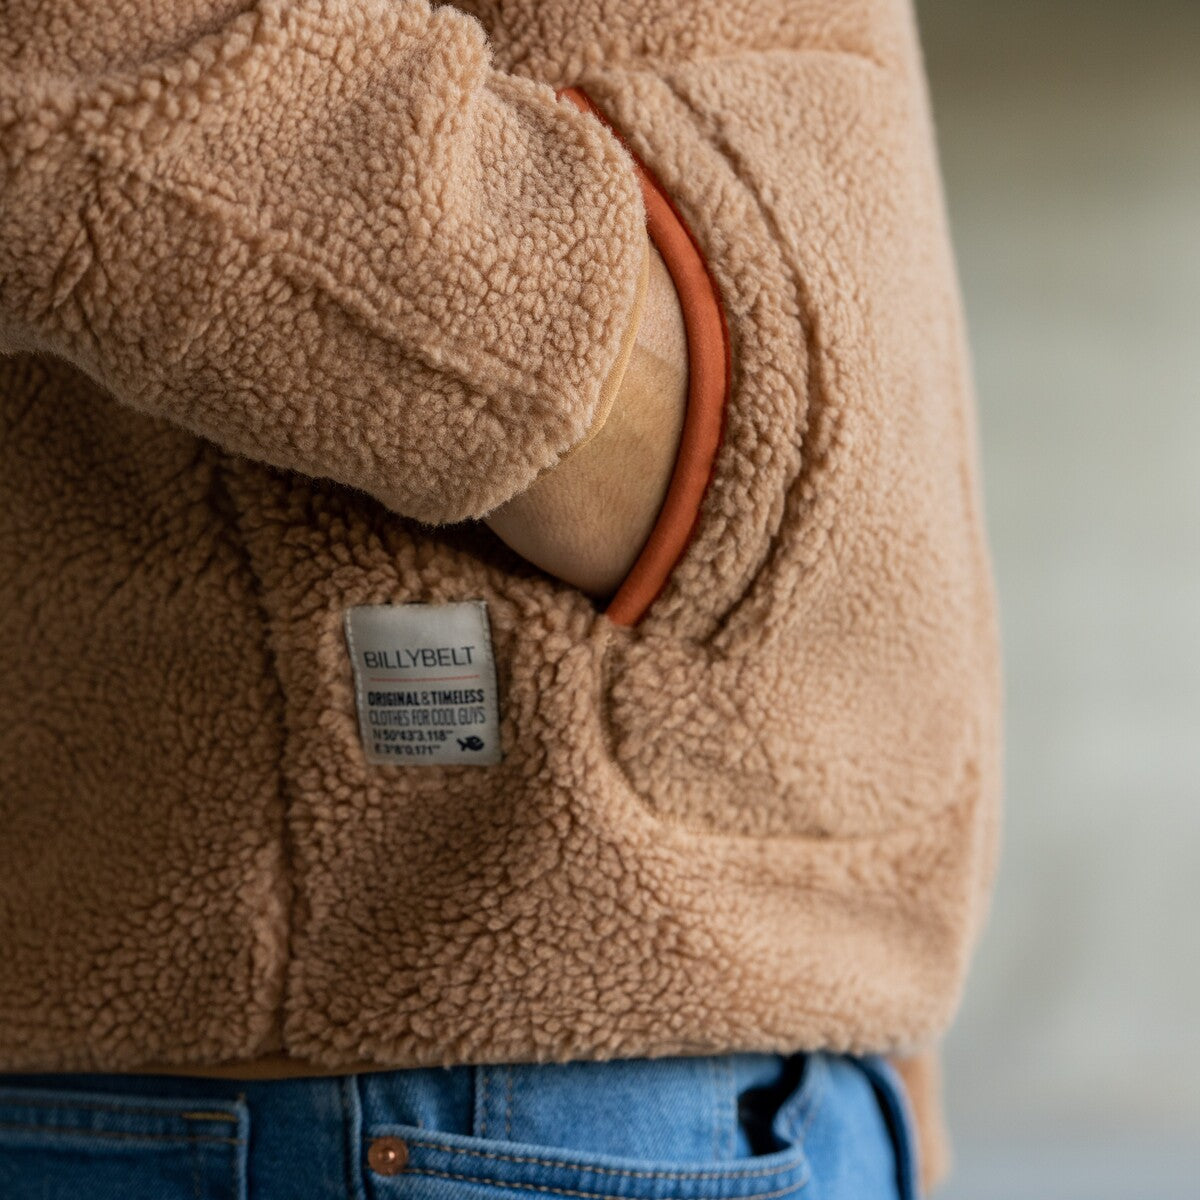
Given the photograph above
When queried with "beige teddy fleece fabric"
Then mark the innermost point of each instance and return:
(292, 293)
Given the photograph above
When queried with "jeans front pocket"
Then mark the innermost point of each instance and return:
(658, 1129)
(857, 1131)
(83, 1145)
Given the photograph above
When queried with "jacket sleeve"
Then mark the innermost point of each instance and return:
(326, 234)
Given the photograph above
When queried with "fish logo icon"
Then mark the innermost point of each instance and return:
(471, 743)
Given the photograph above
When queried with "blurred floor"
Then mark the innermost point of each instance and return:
(1070, 143)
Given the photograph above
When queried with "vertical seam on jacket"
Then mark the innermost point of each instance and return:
(820, 421)
(231, 511)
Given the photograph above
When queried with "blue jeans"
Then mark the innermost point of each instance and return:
(725, 1127)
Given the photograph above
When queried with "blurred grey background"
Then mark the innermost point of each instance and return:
(1070, 144)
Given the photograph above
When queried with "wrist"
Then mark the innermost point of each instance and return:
(610, 389)
(586, 519)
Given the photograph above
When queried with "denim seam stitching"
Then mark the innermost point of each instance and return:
(708, 1173)
(240, 1157)
(64, 1101)
(559, 1191)
(180, 1138)
(725, 1125)
(352, 1107)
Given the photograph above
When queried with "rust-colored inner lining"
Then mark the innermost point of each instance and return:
(708, 389)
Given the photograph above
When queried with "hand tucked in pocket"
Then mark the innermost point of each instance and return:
(585, 521)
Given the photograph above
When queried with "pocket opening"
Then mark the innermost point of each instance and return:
(759, 1108)
(709, 381)
(526, 1167)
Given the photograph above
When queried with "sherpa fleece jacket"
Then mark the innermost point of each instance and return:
(301, 768)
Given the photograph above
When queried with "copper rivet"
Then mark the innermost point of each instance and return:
(387, 1155)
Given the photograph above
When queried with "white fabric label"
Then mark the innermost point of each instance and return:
(425, 683)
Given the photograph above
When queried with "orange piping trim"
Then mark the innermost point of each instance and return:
(709, 379)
